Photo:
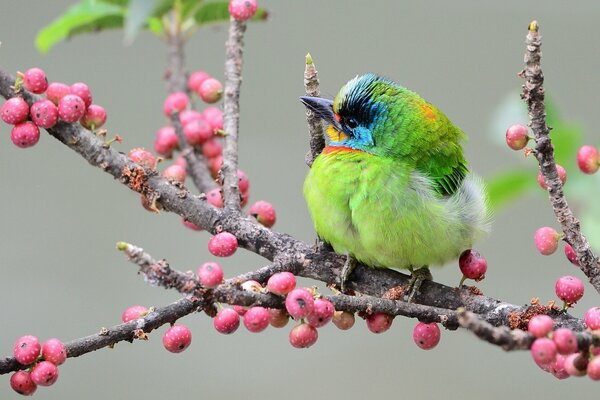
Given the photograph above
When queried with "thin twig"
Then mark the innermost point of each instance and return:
(315, 124)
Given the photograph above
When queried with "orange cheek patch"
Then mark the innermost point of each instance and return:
(334, 134)
(428, 112)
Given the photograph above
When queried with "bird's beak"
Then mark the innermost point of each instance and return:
(323, 108)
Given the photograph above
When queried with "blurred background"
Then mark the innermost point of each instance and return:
(60, 218)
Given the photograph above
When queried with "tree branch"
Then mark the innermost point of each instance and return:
(315, 124)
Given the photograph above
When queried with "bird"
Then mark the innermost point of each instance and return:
(392, 188)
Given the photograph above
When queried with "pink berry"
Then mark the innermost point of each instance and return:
(244, 182)
(215, 197)
(321, 314)
(588, 159)
(44, 373)
(210, 90)
(195, 80)
(299, 303)
(25, 134)
(210, 274)
(57, 91)
(543, 351)
(562, 175)
(223, 244)
(143, 157)
(516, 137)
(54, 351)
(212, 148)
(187, 116)
(593, 368)
(214, 116)
(569, 289)
(35, 80)
(226, 321)
(175, 173)
(14, 110)
(264, 212)
(181, 162)
(94, 117)
(175, 102)
(303, 336)
(245, 198)
(426, 336)
(215, 166)
(546, 240)
(166, 141)
(27, 349)
(256, 319)
(343, 320)
(278, 318)
(472, 264)
(83, 91)
(44, 113)
(190, 225)
(242, 10)
(576, 364)
(281, 283)
(540, 325)
(379, 322)
(133, 312)
(240, 310)
(557, 368)
(592, 318)
(565, 340)
(570, 254)
(22, 383)
(177, 338)
(71, 108)
(197, 132)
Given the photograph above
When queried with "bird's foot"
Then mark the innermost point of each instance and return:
(349, 266)
(417, 277)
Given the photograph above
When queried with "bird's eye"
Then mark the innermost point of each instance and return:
(351, 123)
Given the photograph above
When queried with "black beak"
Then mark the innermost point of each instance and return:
(323, 108)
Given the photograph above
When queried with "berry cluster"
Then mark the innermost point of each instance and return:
(66, 103)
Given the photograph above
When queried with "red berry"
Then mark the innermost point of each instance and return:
(190, 225)
(197, 131)
(569, 289)
(543, 351)
(215, 197)
(166, 141)
(264, 212)
(344, 320)
(244, 182)
(278, 318)
(83, 91)
(35, 80)
(570, 253)
(592, 318)
(223, 244)
(212, 148)
(94, 117)
(175, 173)
(546, 240)
(214, 116)
(25, 134)
(181, 162)
(540, 325)
(245, 198)
(299, 303)
(215, 165)
(516, 137)
(426, 336)
(281, 283)
(588, 159)
(187, 116)
(71, 108)
(562, 175)
(242, 10)
(44, 373)
(177, 338)
(195, 80)
(240, 310)
(226, 321)
(593, 368)
(565, 340)
(143, 157)
(210, 90)
(133, 313)
(14, 110)
(256, 319)
(472, 264)
(44, 113)
(175, 102)
(303, 336)
(210, 274)
(576, 364)
(557, 368)
(321, 314)
(22, 383)
(54, 351)
(57, 91)
(27, 349)
(379, 322)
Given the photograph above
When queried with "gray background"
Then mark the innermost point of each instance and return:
(60, 218)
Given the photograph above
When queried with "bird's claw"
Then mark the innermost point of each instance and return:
(347, 269)
(417, 277)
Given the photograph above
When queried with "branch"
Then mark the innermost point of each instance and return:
(315, 124)
(533, 94)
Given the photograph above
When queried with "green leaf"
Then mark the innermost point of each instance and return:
(217, 12)
(508, 185)
(86, 16)
(137, 15)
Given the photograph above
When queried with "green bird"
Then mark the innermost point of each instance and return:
(392, 188)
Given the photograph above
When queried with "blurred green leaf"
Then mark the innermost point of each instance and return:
(137, 16)
(566, 139)
(217, 11)
(509, 185)
(155, 26)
